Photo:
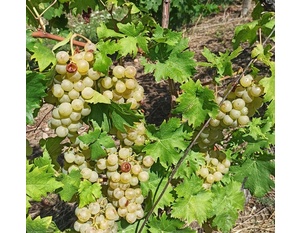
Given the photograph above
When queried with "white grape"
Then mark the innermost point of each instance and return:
(148, 161)
(246, 80)
(93, 177)
(69, 156)
(226, 106)
(218, 176)
(204, 172)
(64, 98)
(88, 82)
(90, 46)
(93, 74)
(131, 217)
(88, 56)
(77, 104)
(87, 93)
(65, 109)
(143, 176)
(75, 116)
(66, 85)
(86, 173)
(130, 71)
(118, 71)
(210, 178)
(234, 114)
(82, 66)
(60, 69)
(243, 120)
(61, 131)
(62, 57)
(79, 85)
(57, 90)
(238, 104)
(120, 86)
(73, 94)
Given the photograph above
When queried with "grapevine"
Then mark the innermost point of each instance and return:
(123, 173)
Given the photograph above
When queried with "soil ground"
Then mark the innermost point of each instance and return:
(214, 32)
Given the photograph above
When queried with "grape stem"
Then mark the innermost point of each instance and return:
(73, 41)
(41, 34)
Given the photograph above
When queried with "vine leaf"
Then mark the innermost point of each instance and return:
(196, 103)
(190, 165)
(35, 91)
(88, 192)
(43, 55)
(71, 184)
(40, 181)
(40, 225)
(167, 225)
(193, 202)
(227, 201)
(258, 172)
(97, 141)
(167, 141)
(154, 187)
(174, 62)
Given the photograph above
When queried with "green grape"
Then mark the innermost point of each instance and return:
(62, 57)
(57, 90)
(226, 106)
(90, 46)
(87, 93)
(88, 56)
(93, 74)
(61, 131)
(118, 71)
(65, 109)
(66, 85)
(130, 71)
(120, 86)
(77, 104)
(246, 80)
(238, 104)
(60, 69)
(79, 85)
(88, 82)
(83, 66)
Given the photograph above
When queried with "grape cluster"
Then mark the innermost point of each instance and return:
(240, 104)
(98, 217)
(125, 170)
(122, 87)
(74, 83)
(216, 165)
(135, 135)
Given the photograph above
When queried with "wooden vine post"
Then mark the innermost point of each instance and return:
(165, 24)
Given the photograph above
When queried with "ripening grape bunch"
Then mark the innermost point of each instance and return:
(215, 167)
(240, 104)
(125, 170)
(97, 217)
(135, 135)
(122, 87)
(74, 83)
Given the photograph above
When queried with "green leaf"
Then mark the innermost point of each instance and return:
(103, 32)
(35, 91)
(190, 165)
(88, 192)
(269, 84)
(53, 148)
(98, 98)
(258, 172)
(41, 225)
(177, 62)
(122, 115)
(167, 142)
(43, 55)
(154, 186)
(71, 184)
(193, 202)
(39, 182)
(128, 45)
(166, 224)
(196, 103)
(227, 201)
(97, 141)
